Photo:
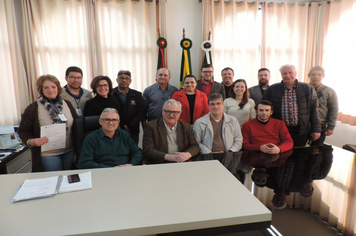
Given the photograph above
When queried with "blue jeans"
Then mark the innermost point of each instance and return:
(60, 162)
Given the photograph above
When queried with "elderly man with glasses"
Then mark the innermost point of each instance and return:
(167, 139)
(109, 146)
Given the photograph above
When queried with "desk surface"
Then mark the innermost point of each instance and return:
(134, 201)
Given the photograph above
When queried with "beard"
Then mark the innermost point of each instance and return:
(263, 82)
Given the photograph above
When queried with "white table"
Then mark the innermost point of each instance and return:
(140, 200)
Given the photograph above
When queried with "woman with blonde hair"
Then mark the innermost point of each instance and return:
(49, 109)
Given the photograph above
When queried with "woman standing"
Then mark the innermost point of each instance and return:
(194, 102)
(102, 88)
(49, 109)
(239, 104)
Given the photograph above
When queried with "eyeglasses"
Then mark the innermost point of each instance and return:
(124, 78)
(171, 112)
(208, 72)
(103, 86)
(75, 77)
(114, 121)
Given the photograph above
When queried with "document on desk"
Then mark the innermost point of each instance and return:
(7, 129)
(56, 135)
(47, 187)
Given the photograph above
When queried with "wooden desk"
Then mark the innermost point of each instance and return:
(140, 200)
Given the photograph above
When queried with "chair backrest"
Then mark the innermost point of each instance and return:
(81, 128)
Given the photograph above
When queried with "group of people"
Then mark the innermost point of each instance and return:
(203, 117)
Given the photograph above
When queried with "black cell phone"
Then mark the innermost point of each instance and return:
(73, 178)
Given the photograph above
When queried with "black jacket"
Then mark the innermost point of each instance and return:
(132, 111)
(307, 105)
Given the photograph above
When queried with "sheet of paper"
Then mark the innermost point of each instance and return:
(8, 141)
(84, 183)
(56, 135)
(7, 129)
(36, 188)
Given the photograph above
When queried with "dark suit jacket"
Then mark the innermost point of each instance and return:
(216, 88)
(155, 144)
(255, 93)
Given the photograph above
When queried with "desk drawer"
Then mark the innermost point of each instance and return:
(20, 163)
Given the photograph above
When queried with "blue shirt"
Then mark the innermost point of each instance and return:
(154, 97)
(122, 95)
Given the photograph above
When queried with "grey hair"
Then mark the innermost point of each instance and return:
(286, 65)
(171, 101)
(169, 73)
(109, 110)
(316, 68)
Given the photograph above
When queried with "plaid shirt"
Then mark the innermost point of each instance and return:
(290, 106)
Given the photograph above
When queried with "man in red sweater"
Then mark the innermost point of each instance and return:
(264, 133)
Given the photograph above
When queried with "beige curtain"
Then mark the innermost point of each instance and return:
(57, 35)
(284, 37)
(14, 95)
(126, 40)
(162, 18)
(316, 31)
(207, 25)
(340, 56)
(236, 39)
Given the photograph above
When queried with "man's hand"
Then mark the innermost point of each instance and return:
(315, 136)
(270, 148)
(183, 156)
(124, 165)
(328, 132)
(178, 156)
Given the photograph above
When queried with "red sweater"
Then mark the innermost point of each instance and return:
(256, 134)
(200, 106)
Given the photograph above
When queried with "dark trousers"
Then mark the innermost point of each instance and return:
(300, 140)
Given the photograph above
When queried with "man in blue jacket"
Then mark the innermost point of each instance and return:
(296, 104)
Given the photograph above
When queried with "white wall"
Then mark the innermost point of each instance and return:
(183, 14)
(343, 134)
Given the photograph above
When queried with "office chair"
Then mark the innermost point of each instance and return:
(81, 128)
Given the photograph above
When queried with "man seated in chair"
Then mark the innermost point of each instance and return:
(264, 133)
(217, 132)
(109, 146)
(168, 139)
